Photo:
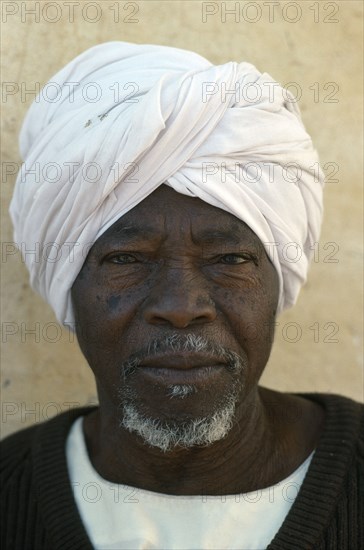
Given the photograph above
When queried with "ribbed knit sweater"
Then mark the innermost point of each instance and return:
(38, 510)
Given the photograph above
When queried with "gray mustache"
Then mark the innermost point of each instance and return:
(187, 343)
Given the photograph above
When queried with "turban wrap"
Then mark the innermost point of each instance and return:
(121, 119)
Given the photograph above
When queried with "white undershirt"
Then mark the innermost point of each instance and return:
(125, 518)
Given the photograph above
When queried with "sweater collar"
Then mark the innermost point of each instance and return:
(304, 525)
(324, 483)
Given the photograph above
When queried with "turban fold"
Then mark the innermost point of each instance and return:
(121, 119)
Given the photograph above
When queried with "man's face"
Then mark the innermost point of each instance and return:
(175, 308)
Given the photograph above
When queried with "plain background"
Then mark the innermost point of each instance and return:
(316, 48)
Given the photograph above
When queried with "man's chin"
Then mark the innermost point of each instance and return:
(182, 431)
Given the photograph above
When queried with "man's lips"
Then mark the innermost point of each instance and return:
(170, 376)
(183, 368)
(181, 361)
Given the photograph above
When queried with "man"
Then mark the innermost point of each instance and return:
(173, 266)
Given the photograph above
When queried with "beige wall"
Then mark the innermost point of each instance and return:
(44, 376)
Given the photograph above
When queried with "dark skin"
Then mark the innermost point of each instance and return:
(180, 276)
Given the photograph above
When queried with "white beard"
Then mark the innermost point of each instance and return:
(167, 434)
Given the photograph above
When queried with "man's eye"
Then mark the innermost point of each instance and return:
(235, 258)
(123, 259)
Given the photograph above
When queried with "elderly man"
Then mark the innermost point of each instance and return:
(172, 264)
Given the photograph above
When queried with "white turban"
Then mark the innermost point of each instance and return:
(121, 119)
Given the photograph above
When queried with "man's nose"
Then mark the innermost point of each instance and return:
(180, 298)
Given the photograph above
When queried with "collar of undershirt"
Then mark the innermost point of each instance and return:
(302, 528)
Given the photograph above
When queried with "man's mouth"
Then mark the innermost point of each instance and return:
(181, 368)
(189, 375)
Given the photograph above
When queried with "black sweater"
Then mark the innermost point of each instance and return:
(39, 511)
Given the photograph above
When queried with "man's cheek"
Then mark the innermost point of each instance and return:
(113, 302)
(89, 333)
(253, 331)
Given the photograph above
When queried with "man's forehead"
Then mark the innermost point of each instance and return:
(222, 227)
(165, 212)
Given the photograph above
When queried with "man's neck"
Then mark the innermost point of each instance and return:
(274, 435)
